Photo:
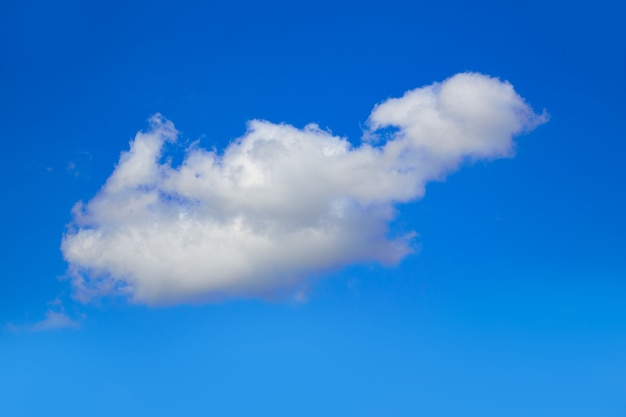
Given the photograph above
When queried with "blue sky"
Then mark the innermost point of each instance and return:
(512, 303)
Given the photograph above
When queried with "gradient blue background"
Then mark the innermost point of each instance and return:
(514, 307)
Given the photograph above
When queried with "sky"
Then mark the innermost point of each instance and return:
(312, 208)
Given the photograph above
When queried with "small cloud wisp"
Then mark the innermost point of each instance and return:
(56, 319)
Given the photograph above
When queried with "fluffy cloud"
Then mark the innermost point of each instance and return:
(280, 203)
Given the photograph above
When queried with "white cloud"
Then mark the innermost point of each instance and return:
(280, 203)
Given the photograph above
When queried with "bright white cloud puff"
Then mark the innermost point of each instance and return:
(280, 203)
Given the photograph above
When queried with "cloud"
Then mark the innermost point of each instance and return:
(55, 319)
(280, 203)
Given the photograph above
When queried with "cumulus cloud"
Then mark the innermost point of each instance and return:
(280, 203)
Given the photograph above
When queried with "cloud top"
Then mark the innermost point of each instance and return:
(280, 203)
